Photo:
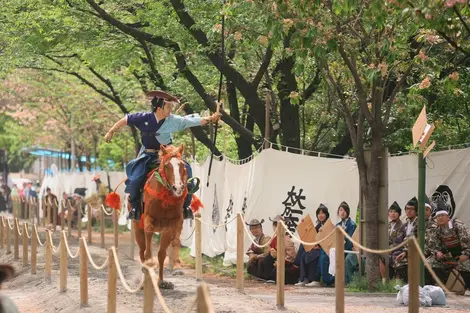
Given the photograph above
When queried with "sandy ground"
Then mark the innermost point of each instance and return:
(33, 294)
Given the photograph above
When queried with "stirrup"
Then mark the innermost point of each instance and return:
(196, 186)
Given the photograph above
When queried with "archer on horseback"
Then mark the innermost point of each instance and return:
(156, 128)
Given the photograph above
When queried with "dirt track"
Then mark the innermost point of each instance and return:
(33, 295)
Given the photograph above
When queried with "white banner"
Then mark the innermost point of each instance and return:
(273, 183)
(293, 185)
(447, 176)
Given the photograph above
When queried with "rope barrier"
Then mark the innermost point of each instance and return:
(91, 259)
(121, 276)
(213, 225)
(151, 269)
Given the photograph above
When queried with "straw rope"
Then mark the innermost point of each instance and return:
(73, 256)
(121, 276)
(91, 259)
(213, 225)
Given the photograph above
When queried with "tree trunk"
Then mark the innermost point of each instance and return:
(372, 202)
(289, 112)
(243, 145)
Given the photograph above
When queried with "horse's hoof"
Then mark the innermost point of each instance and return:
(178, 272)
(166, 285)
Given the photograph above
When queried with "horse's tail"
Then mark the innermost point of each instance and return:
(113, 200)
(196, 204)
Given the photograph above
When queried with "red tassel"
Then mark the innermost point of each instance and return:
(196, 204)
(113, 200)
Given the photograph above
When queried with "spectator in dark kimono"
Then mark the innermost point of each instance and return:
(5, 192)
(396, 235)
(308, 261)
(349, 226)
(270, 261)
(255, 253)
(411, 229)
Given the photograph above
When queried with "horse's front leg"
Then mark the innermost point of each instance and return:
(165, 240)
(148, 245)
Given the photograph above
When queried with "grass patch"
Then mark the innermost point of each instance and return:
(211, 265)
(359, 284)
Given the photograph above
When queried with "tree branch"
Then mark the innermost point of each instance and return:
(263, 68)
(181, 64)
(453, 43)
(357, 80)
(456, 10)
(246, 89)
(312, 87)
(153, 74)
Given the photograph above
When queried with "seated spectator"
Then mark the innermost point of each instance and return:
(451, 248)
(270, 261)
(410, 227)
(396, 235)
(255, 253)
(308, 261)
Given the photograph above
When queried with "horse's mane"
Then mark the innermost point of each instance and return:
(168, 153)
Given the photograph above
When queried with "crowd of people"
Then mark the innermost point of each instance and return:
(447, 248)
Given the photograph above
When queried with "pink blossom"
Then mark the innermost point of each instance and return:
(454, 76)
(422, 55)
(450, 3)
(428, 16)
(425, 83)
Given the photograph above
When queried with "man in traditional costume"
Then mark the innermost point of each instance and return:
(451, 247)
(396, 234)
(255, 253)
(411, 229)
(156, 128)
(292, 271)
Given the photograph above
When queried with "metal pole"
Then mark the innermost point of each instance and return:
(421, 214)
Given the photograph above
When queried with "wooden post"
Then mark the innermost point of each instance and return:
(84, 274)
(112, 281)
(116, 230)
(79, 219)
(281, 265)
(48, 266)
(8, 237)
(55, 211)
(102, 225)
(16, 240)
(34, 249)
(63, 262)
(62, 214)
(49, 212)
(339, 271)
(89, 239)
(149, 292)
(25, 244)
(204, 304)
(197, 218)
(27, 209)
(240, 252)
(2, 232)
(69, 218)
(33, 211)
(413, 277)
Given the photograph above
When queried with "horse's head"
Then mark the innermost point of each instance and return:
(172, 168)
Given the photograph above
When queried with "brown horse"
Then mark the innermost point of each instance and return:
(165, 191)
(164, 194)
